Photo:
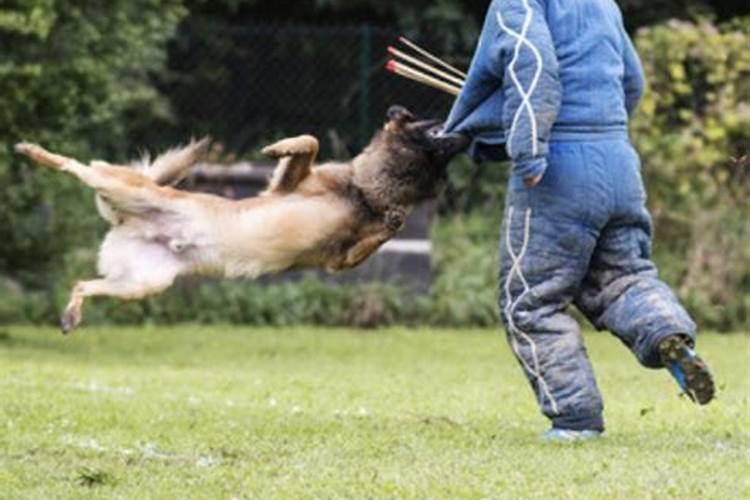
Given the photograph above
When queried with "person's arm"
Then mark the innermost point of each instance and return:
(513, 84)
(474, 111)
(532, 84)
(633, 80)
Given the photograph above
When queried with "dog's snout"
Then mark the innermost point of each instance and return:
(450, 144)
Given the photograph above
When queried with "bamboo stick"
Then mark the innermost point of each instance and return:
(418, 76)
(432, 57)
(420, 64)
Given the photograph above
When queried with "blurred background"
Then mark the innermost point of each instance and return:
(112, 78)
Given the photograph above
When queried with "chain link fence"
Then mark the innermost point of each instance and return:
(247, 86)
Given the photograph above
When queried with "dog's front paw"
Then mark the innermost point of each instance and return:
(302, 145)
(395, 220)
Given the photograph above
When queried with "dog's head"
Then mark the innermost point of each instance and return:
(425, 139)
(406, 161)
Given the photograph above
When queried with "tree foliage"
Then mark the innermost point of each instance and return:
(73, 76)
(453, 23)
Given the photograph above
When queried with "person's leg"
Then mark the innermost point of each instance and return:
(545, 248)
(623, 294)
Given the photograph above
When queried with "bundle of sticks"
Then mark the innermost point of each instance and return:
(425, 68)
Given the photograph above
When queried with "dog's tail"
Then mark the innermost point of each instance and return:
(171, 167)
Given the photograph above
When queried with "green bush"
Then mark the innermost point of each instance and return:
(205, 301)
(279, 304)
(693, 131)
(466, 270)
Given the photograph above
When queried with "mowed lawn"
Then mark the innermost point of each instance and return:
(225, 412)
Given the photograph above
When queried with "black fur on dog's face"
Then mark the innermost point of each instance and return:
(408, 158)
(424, 136)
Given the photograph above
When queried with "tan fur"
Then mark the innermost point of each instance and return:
(304, 219)
(332, 216)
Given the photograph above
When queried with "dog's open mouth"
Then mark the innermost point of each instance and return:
(442, 145)
(445, 144)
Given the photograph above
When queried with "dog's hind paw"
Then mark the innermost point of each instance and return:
(26, 148)
(40, 155)
(69, 321)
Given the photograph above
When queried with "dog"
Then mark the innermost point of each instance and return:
(332, 216)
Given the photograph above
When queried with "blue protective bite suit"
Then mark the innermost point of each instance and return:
(554, 81)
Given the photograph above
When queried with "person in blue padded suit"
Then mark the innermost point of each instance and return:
(552, 83)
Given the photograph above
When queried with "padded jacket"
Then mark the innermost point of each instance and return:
(546, 69)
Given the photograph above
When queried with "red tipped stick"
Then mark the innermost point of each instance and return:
(418, 76)
(431, 57)
(419, 64)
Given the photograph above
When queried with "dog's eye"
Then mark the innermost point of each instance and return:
(435, 132)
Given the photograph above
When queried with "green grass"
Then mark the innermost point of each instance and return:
(223, 412)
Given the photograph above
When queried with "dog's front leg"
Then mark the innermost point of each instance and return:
(363, 249)
(379, 233)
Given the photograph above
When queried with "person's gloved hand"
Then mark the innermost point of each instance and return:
(531, 171)
(532, 181)
(447, 144)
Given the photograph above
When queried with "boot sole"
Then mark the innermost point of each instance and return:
(700, 383)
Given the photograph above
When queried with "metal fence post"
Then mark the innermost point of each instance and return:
(365, 57)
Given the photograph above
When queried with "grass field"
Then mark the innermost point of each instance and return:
(224, 412)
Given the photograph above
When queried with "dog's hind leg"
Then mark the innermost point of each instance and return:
(131, 268)
(101, 176)
(297, 155)
(122, 187)
(122, 288)
(41, 156)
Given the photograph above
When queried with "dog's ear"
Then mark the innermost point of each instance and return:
(399, 113)
(397, 116)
